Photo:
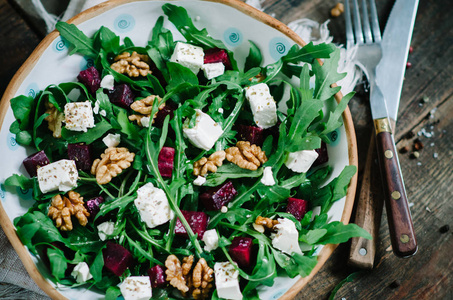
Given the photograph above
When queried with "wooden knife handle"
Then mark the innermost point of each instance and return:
(367, 215)
(399, 217)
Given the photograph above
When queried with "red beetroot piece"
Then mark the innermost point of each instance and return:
(241, 251)
(297, 207)
(157, 277)
(216, 197)
(34, 161)
(197, 220)
(91, 79)
(323, 155)
(116, 258)
(215, 55)
(122, 95)
(165, 161)
(168, 109)
(92, 206)
(81, 154)
(253, 134)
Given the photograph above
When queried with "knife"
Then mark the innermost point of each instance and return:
(389, 77)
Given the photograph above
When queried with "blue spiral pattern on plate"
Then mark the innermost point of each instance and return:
(233, 37)
(334, 138)
(278, 294)
(32, 90)
(124, 23)
(59, 45)
(86, 63)
(278, 47)
(2, 192)
(11, 141)
(24, 194)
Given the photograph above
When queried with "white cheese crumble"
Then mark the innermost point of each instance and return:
(81, 272)
(301, 161)
(211, 240)
(286, 238)
(145, 121)
(262, 105)
(189, 56)
(60, 175)
(205, 132)
(268, 177)
(213, 70)
(200, 180)
(226, 281)
(153, 206)
(108, 82)
(105, 230)
(78, 116)
(96, 107)
(112, 140)
(136, 288)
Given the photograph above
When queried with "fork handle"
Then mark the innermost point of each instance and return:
(399, 218)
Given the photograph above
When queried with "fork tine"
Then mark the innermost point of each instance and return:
(375, 22)
(349, 33)
(357, 23)
(366, 23)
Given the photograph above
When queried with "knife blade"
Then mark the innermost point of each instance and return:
(389, 77)
(369, 206)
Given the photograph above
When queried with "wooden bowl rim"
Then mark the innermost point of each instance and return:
(28, 65)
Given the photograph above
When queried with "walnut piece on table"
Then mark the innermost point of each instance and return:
(134, 65)
(54, 119)
(112, 162)
(246, 156)
(203, 165)
(62, 208)
(144, 108)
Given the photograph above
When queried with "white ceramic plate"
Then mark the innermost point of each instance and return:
(230, 21)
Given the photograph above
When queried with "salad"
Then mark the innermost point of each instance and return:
(169, 171)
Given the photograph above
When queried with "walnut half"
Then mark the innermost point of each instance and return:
(133, 65)
(62, 208)
(203, 165)
(246, 156)
(112, 162)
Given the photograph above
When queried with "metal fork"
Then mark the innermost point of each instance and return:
(364, 33)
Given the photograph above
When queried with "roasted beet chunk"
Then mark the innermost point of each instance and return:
(91, 79)
(34, 161)
(157, 277)
(215, 55)
(122, 95)
(297, 207)
(198, 221)
(165, 161)
(241, 251)
(215, 198)
(323, 155)
(92, 206)
(116, 258)
(81, 154)
(253, 134)
(168, 109)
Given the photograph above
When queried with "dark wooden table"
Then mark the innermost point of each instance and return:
(426, 103)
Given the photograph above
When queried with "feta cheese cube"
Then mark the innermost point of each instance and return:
(60, 175)
(145, 121)
(81, 272)
(226, 281)
(286, 238)
(268, 177)
(112, 140)
(108, 82)
(200, 180)
(301, 161)
(105, 229)
(205, 132)
(153, 206)
(78, 116)
(213, 70)
(262, 104)
(211, 240)
(189, 56)
(136, 288)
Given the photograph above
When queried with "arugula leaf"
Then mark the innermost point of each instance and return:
(88, 137)
(326, 75)
(350, 278)
(179, 75)
(309, 53)
(22, 107)
(254, 59)
(110, 42)
(335, 118)
(19, 181)
(58, 264)
(337, 232)
(81, 43)
(230, 171)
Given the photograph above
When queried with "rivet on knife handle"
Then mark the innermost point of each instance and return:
(402, 233)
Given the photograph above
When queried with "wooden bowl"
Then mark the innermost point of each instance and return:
(42, 58)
